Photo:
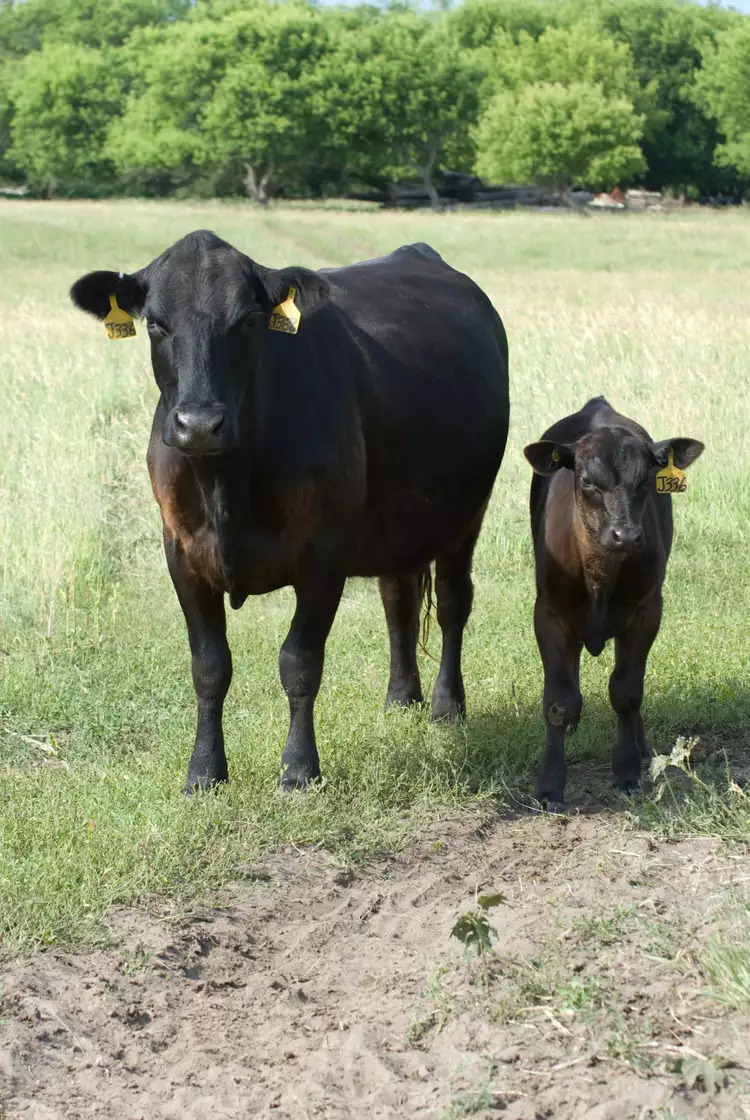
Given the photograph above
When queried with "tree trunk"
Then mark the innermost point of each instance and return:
(257, 188)
(425, 170)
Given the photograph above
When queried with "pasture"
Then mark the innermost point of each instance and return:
(97, 708)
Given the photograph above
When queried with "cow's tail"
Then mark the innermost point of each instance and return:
(426, 604)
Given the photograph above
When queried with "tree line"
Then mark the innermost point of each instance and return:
(229, 97)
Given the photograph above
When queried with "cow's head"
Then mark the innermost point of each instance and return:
(614, 471)
(205, 304)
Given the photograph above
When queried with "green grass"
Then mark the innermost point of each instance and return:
(96, 704)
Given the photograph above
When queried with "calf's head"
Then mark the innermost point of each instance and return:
(614, 470)
(204, 303)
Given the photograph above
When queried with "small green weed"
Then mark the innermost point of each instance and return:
(136, 960)
(603, 928)
(473, 928)
(470, 1104)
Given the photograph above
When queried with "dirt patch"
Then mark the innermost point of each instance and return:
(322, 993)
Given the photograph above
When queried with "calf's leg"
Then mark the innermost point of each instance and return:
(560, 652)
(626, 693)
(301, 671)
(203, 608)
(454, 592)
(400, 595)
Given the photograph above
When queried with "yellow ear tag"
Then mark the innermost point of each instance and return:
(670, 479)
(286, 316)
(118, 324)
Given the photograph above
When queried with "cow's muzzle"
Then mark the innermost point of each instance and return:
(199, 430)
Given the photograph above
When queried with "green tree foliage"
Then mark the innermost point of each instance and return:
(64, 98)
(666, 40)
(724, 91)
(477, 23)
(560, 136)
(224, 101)
(26, 24)
(264, 96)
(7, 169)
(262, 120)
(563, 112)
(403, 95)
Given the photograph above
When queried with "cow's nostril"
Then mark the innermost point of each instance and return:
(218, 423)
(616, 536)
(181, 420)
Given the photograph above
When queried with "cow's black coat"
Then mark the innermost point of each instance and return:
(365, 445)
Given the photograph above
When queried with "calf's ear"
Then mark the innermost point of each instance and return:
(684, 451)
(546, 456)
(91, 293)
(310, 288)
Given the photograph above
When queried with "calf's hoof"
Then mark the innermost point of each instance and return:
(628, 785)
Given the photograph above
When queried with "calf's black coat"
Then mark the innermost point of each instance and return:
(365, 445)
(602, 538)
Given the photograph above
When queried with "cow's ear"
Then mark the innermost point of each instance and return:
(91, 293)
(684, 451)
(310, 288)
(546, 456)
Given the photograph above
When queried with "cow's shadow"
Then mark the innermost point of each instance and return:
(497, 752)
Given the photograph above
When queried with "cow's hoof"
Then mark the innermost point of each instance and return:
(447, 711)
(203, 784)
(298, 783)
(553, 807)
(403, 700)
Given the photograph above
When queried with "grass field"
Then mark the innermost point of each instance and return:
(96, 703)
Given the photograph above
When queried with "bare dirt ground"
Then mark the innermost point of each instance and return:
(319, 992)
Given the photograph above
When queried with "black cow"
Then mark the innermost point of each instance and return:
(366, 444)
(602, 538)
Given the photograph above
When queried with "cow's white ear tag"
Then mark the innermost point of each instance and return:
(118, 323)
(670, 479)
(285, 316)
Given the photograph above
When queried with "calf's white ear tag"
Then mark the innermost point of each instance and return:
(670, 479)
(286, 316)
(118, 323)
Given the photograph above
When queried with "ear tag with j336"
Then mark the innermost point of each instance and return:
(670, 479)
(285, 316)
(118, 323)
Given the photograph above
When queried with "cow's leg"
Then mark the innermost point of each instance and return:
(400, 595)
(301, 671)
(454, 592)
(211, 663)
(626, 693)
(561, 657)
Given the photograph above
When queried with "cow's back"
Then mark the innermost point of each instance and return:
(410, 356)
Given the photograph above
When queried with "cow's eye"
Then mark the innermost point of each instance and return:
(156, 330)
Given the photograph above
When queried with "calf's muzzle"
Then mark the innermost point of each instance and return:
(622, 538)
